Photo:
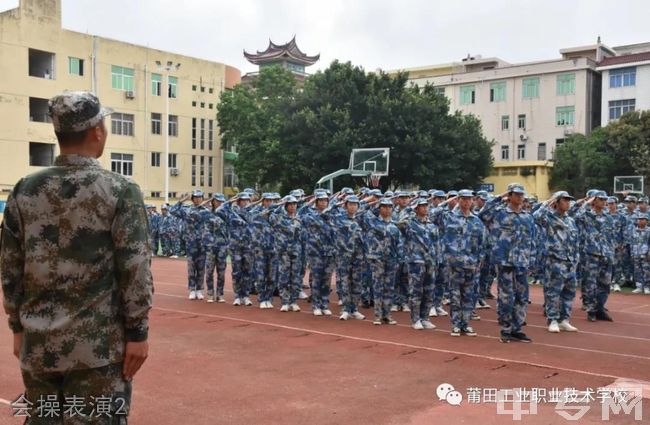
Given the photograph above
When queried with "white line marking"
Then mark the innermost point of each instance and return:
(410, 345)
(7, 402)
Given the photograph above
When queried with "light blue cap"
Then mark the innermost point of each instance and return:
(386, 201)
(516, 188)
(465, 193)
(197, 193)
(352, 198)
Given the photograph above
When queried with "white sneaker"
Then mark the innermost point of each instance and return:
(340, 302)
(174, 256)
(327, 312)
(553, 327)
(646, 291)
(295, 307)
(417, 326)
(237, 301)
(210, 299)
(616, 287)
(344, 316)
(199, 295)
(192, 295)
(358, 315)
(247, 301)
(441, 311)
(433, 312)
(318, 312)
(637, 291)
(428, 325)
(285, 307)
(445, 301)
(394, 308)
(221, 299)
(302, 295)
(269, 305)
(567, 327)
(406, 308)
(263, 305)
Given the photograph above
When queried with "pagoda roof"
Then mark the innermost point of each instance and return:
(275, 52)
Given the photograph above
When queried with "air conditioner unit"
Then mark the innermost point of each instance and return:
(523, 137)
(174, 171)
(129, 94)
(568, 131)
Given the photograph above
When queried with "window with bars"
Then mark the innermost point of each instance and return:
(172, 125)
(521, 121)
(193, 133)
(122, 124)
(521, 151)
(156, 122)
(505, 122)
(122, 163)
(193, 170)
(619, 107)
(505, 152)
(202, 171)
(210, 134)
(202, 134)
(564, 115)
(622, 77)
(156, 84)
(171, 158)
(210, 171)
(155, 159)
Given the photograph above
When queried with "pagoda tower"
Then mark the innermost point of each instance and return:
(287, 55)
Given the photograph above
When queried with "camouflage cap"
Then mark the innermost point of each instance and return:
(516, 188)
(219, 197)
(630, 198)
(421, 201)
(347, 191)
(439, 194)
(388, 194)
(197, 193)
(465, 193)
(612, 200)
(482, 194)
(643, 200)
(290, 199)
(244, 196)
(452, 193)
(641, 216)
(75, 111)
(601, 194)
(321, 195)
(562, 194)
(385, 202)
(352, 199)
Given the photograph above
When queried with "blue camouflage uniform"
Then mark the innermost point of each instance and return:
(620, 222)
(265, 259)
(560, 244)
(216, 242)
(639, 242)
(349, 258)
(168, 229)
(196, 218)
(287, 232)
(154, 223)
(513, 236)
(241, 255)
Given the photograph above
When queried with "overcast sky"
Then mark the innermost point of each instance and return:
(372, 33)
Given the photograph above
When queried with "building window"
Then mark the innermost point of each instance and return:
(505, 122)
(231, 147)
(439, 91)
(619, 107)
(172, 195)
(498, 92)
(41, 64)
(194, 103)
(622, 77)
(41, 154)
(193, 170)
(541, 152)
(155, 123)
(531, 88)
(38, 110)
(155, 159)
(193, 133)
(202, 134)
(564, 115)
(521, 151)
(566, 84)
(521, 121)
(122, 163)
(210, 171)
(505, 152)
(210, 134)
(122, 78)
(193, 87)
(75, 66)
(211, 91)
(202, 104)
(156, 84)
(202, 89)
(171, 160)
(172, 90)
(210, 105)
(229, 177)
(172, 125)
(558, 143)
(202, 171)
(155, 194)
(467, 95)
(122, 124)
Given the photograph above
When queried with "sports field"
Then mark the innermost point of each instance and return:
(221, 364)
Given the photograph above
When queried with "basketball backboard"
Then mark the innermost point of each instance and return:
(367, 161)
(631, 184)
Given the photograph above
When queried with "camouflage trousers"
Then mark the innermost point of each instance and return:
(617, 265)
(170, 243)
(350, 273)
(597, 273)
(560, 286)
(401, 294)
(216, 260)
(339, 286)
(366, 282)
(642, 272)
(626, 265)
(321, 278)
(422, 278)
(241, 263)
(486, 277)
(462, 295)
(512, 301)
(383, 285)
(266, 264)
(83, 396)
(440, 287)
(290, 278)
(195, 266)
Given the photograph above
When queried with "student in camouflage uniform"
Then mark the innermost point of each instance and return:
(639, 242)
(286, 225)
(439, 197)
(265, 259)
(401, 211)
(238, 220)
(627, 267)
(216, 245)
(619, 243)
(168, 231)
(560, 244)
(513, 234)
(463, 236)
(196, 217)
(75, 263)
(154, 223)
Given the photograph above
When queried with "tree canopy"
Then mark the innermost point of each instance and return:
(289, 137)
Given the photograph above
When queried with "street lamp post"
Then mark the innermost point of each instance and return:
(165, 122)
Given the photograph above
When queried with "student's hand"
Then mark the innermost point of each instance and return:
(135, 354)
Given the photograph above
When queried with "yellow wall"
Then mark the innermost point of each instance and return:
(36, 24)
(505, 173)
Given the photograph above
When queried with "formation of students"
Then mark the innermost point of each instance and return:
(413, 251)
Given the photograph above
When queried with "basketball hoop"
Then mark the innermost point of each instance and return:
(374, 180)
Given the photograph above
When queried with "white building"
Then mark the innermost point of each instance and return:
(625, 81)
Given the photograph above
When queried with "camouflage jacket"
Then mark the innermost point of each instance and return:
(462, 238)
(597, 233)
(318, 231)
(558, 236)
(75, 263)
(287, 231)
(196, 219)
(383, 240)
(639, 241)
(422, 241)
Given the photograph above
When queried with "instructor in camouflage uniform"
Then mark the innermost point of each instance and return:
(76, 277)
